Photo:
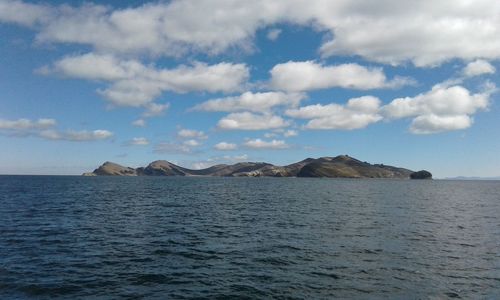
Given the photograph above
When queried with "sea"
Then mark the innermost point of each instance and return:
(72, 237)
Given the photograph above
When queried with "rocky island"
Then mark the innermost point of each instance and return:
(342, 166)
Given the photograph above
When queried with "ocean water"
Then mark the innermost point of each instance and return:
(248, 238)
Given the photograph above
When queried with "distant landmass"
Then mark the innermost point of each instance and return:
(342, 166)
(472, 178)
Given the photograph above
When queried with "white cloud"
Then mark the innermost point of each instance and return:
(443, 108)
(309, 75)
(261, 144)
(198, 165)
(478, 67)
(76, 136)
(425, 32)
(155, 109)
(92, 66)
(248, 101)
(355, 114)
(428, 124)
(139, 141)
(139, 123)
(191, 143)
(439, 100)
(191, 134)
(135, 84)
(156, 28)
(343, 122)
(224, 146)
(43, 128)
(273, 34)
(26, 124)
(23, 13)
(250, 121)
(290, 133)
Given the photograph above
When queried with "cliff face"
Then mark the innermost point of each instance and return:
(342, 166)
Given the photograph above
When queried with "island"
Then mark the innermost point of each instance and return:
(421, 175)
(342, 166)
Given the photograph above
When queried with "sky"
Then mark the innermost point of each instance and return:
(202, 82)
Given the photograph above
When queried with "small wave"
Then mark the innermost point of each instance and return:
(144, 259)
(275, 261)
(331, 275)
(151, 278)
(452, 295)
(287, 247)
(49, 290)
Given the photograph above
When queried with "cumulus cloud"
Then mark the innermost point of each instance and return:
(261, 144)
(309, 75)
(191, 134)
(355, 114)
(27, 124)
(224, 146)
(132, 83)
(250, 121)
(428, 124)
(478, 67)
(290, 133)
(155, 109)
(44, 128)
(139, 141)
(191, 143)
(439, 100)
(248, 101)
(442, 108)
(425, 32)
(76, 136)
(155, 28)
(23, 13)
(139, 123)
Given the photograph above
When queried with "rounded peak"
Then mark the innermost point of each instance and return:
(309, 159)
(111, 164)
(343, 156)
(160, 162)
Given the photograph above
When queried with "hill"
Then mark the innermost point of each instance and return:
(342, 166)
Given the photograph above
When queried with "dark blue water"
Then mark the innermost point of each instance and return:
(215, 238)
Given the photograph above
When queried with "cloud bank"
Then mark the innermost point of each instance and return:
(425, 33)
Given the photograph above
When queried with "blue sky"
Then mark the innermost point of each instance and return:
(205, 82)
